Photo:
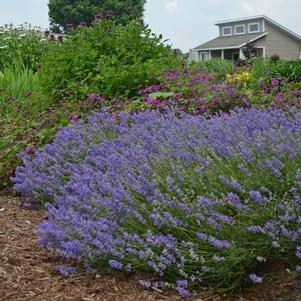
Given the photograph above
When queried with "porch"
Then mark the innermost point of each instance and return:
(232, 54)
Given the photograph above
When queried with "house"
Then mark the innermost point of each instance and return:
(269, 38)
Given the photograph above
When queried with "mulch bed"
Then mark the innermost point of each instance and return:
(27, 272)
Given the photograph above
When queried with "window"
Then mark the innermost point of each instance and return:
(203, 56)
(254, 27)
(235, 56)
(227, 31)
(240, 29)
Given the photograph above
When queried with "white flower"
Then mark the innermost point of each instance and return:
(261, 259)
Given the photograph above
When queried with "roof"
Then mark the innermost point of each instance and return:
(279, 26)
(235, 41)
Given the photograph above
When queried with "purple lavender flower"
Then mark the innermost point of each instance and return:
(256, 196)
(164, 190)
(255, 279)
(65, 270)
(220, 244)
(115, 264)
(183, 292)
(181, 283)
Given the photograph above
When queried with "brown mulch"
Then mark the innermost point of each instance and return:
(27, 272)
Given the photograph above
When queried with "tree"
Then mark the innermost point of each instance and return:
(64, 14)
(250, 51)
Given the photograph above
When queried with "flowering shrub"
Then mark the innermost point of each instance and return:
(202, 202)
(194, 91)
(200, 91)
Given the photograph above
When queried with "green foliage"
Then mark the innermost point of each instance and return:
(24, 43)
(63, 12)
(274, 58)
(216, 66)
(108, 59)
(287, 69)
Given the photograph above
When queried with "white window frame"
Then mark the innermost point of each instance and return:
(229, 34)
(240, 25)
(249, 27)
(201, 57)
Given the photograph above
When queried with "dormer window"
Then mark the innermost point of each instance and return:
(240, 29)
(227, 31)
(253, 27)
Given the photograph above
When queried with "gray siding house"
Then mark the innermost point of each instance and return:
(268, 36)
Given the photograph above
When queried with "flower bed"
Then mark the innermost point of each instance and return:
(205, 203)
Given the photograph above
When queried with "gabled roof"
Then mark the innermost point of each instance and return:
(279, 26)
(235, 41)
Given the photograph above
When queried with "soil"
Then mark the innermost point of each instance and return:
(27, 272)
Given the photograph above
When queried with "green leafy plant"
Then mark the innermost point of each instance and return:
(108, 59)
(217, 67)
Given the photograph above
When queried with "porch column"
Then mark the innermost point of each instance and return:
(241, 54)
(209, 56)
(222, 57)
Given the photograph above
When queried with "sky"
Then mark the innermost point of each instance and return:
(184, 23)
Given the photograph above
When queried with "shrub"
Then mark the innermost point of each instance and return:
(290, 70)
(195, 91)
(203, 203)
(108, 59)
(275, 58)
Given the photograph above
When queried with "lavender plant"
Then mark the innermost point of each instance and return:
(204, 203)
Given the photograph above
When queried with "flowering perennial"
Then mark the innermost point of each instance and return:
(198, 201)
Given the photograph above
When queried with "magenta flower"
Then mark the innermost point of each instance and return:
(274, 82)
(109, 12)
(10, 98)
(61, 101)
(73, 118)
(83, 24)
(98, 16)
(28, 94)
(29, 149)
(152, 101)
(93, 96)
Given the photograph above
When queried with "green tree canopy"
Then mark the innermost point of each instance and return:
(73, 12)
